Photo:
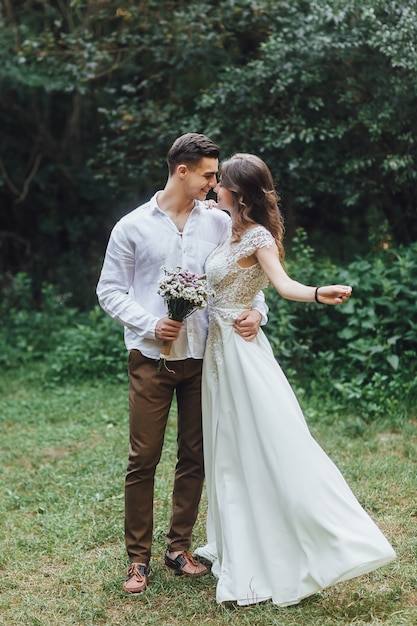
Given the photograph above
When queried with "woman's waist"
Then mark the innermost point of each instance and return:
(227, 312)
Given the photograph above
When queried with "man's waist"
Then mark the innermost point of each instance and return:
(151, 348)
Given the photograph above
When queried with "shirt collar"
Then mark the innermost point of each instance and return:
(198, 205)
(154, 204)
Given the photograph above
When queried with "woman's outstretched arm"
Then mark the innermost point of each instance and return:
(268, 258)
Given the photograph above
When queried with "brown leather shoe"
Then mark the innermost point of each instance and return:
(186, 565)
(137, 578)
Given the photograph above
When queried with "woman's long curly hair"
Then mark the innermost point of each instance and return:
(250, 181)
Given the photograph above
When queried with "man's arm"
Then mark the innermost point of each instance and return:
(114, 286)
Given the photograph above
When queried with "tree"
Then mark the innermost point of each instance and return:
(156, 101)
(93, 92)
(91, 96)
(53, 56)
(330, 104)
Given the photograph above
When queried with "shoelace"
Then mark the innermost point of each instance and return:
(188, 557)
(140, 571)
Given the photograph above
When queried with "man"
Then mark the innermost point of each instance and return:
(173, 228)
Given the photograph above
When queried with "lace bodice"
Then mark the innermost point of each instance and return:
(236, 286)
(234, 290)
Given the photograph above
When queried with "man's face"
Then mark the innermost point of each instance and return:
(201, 178)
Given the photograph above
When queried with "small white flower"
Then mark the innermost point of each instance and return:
(183, 291)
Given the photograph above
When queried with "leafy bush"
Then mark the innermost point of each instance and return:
(359, 358)
(29, 330)
(73, 345)
(92, 348)
(360, 355)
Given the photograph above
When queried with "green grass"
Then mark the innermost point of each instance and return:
(62, 556)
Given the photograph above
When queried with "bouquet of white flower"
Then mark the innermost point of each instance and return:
(184, 293)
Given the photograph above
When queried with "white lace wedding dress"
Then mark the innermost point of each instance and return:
(282, 522)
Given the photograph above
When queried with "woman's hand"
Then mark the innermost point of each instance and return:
(333, 294)
(210, 204)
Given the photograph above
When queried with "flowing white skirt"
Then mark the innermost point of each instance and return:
(282, 522)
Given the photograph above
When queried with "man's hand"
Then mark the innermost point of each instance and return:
(247, 324)
(167, 329)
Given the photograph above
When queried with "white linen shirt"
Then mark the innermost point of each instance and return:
(141, 243)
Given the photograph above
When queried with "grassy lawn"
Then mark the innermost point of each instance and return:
(62, 557)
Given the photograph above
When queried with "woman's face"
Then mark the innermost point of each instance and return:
(224, 197)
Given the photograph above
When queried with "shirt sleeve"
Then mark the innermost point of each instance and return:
(115, 284)
(260, 305)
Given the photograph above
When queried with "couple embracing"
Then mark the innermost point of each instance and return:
(282, 522)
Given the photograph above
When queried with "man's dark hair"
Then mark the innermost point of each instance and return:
(190, 149)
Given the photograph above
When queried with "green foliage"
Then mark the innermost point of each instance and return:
(54, 57)
(91, 97)
(73, 345)
(93, 93)
(156, 102)
(360, 355)
(28, 331)
(329, 103)
(93, 348)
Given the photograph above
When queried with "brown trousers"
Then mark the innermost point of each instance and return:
(150, 397)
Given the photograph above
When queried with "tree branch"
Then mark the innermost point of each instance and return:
(67, 14)
(29, 179)
(8, 180)
(6, 234)
(21, 195)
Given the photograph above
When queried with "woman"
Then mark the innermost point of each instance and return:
(282, 522)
